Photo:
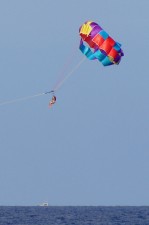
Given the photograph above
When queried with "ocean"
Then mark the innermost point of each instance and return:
(73, 215)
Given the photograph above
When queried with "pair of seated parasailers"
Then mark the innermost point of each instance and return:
(52, 102)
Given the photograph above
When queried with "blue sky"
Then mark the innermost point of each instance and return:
(92, 148)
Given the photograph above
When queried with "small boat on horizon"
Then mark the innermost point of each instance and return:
(44, 204)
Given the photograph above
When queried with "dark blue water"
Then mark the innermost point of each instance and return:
(74, 215)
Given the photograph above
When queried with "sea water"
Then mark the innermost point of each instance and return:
(84, 215)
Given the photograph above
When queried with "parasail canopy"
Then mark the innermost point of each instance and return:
(96, 43)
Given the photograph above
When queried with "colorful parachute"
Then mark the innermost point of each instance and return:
(97, 44)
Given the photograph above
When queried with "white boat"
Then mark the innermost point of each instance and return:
(44, 204)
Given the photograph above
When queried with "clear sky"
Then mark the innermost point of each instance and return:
(92, 148)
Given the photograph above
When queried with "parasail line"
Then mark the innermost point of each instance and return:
(65, 67)
(69, 74)
(22, 99)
